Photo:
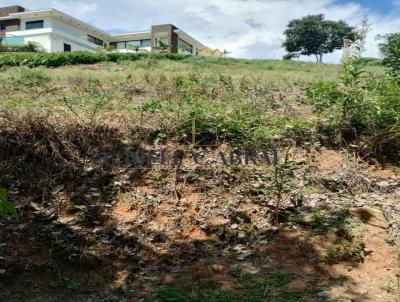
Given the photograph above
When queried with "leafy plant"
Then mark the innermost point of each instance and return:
(29, 47)
(58, 59)
(282, 181)
(360, 106)
(6, 207)
(390, 48)
(344, 250)
(134, 47)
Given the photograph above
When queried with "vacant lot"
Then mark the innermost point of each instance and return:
(322, 224)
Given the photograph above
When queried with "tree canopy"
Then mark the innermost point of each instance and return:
(390, 49)
(313, 35)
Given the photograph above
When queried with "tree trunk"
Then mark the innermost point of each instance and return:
(316, 56)
(320, 57)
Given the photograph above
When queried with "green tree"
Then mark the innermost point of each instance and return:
(390, 49)
(313, 35)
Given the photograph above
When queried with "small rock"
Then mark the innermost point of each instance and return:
(57, 189)
(383, 184)
(2, 271)
(324, 295)
(234, 226)
(296, 286)
(218, 268)
(370, 216)
(241, 235)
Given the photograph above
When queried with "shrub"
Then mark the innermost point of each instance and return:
(78, 57)
(360, 107)
(29, 47)
(390, 49)
(30, 77)
(224, 109)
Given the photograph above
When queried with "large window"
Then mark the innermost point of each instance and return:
(34, 24)
(132, 44)
(184, 47)
(145, 43)
(121, 45)
(95, 40)
(161, 42)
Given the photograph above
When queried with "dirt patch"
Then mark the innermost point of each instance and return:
(374, 279)
(124, 210)
(329, 161)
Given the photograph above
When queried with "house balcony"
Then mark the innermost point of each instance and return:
(5, 27)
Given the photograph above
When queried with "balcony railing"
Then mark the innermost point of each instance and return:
(10, 28)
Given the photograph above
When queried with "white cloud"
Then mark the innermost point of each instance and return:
(247, 28)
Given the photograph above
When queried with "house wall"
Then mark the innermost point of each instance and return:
(5, 11)
(165, 31)
(13, 24)
(46, 22)
(59, 28)
(54, 34)
(57, 44)
(65, 27)
(44, 40)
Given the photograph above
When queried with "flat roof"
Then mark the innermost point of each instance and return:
(60, 15)
(51, 12)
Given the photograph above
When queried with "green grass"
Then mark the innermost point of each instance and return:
(247, 102)
(250, 288)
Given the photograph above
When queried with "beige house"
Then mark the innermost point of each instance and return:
(55, 31)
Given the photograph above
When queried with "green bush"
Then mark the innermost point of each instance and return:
(78, 57)
(372, 61)
(224, 109)
(360, 108)
(390, 49)
(29, 47)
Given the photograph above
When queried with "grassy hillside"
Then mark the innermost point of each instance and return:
(231, 96)
(96, 226)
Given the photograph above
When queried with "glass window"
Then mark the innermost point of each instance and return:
(2, 27)
(184, 47)
(95, 40)
(121, 45)
(161, 42)
(12, 41)
(67, 47)
(34, 24)
(133, 43)
(145, 43)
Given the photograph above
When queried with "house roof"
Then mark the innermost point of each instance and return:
(99, 33)
(51, 12)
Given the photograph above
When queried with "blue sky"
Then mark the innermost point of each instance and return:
(247, 28)
(382, 6)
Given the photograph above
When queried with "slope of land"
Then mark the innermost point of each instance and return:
(95, 225)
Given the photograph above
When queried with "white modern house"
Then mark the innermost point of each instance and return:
(55, 31)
